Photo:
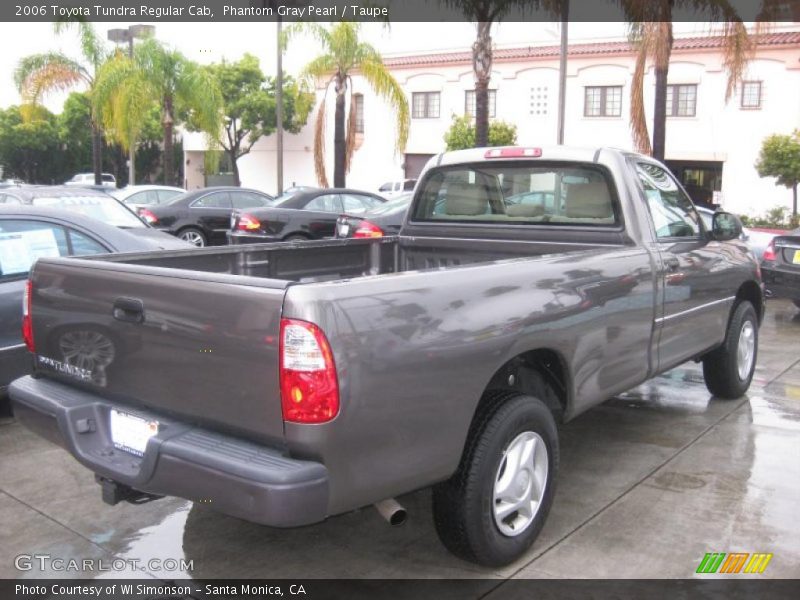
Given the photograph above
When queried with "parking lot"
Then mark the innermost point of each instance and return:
(650, 481)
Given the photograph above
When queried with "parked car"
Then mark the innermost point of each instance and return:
(307, 215)
(780, 267)
(31, 232)
(91, 202)
(143, 196)
(203, 217)
(390, 189)
(385, 219)
(347, 372)
(87, 179)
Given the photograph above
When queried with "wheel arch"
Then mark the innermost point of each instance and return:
(523, 374)
(751, 292)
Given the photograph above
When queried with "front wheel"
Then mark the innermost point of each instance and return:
(729, 369)
(493, 508)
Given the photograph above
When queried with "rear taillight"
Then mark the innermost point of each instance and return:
(367, 230)
(148, 216)
(248, 223)
(309, 386)
(769, 251)
(513, 152)
(27, 325)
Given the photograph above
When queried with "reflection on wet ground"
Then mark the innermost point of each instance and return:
(650, 481)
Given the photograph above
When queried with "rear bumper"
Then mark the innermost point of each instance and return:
(781, 282)
(230, 475)
(251, 238)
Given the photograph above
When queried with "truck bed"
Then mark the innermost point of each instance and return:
(331, 260)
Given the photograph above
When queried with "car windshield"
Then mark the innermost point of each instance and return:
(102, 208)
(398, 204)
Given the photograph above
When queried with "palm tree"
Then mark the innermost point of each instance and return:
(485, 13)
(40, 74)
(650, 30)
(127, 89)
(344, 54)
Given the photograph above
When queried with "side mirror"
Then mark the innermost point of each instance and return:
(725, 226)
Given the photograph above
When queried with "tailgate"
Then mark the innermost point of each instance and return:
(199, 347)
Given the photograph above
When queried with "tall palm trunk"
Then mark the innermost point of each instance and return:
(97, 153)
(168, 120)
(339, 141)
(662, 55)
(482, 67)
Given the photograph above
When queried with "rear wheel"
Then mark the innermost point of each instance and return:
(728, 370)
(296, 237)
(493, 508)
(193, 236)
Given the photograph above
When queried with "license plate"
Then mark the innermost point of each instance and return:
(796, 258)
(344, 229)
(131, 433)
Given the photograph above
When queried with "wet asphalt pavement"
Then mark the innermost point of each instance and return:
(650, 481)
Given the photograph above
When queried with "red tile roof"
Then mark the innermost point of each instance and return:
(532, 52)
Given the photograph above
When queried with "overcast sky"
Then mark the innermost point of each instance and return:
(210, 42)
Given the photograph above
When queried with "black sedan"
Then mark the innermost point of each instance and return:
(780, 267)
(89, 202)
(386, 219)
(203, 217)
(31, 232)
(309, 215)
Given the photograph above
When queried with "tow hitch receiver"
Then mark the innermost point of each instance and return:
(114, 492)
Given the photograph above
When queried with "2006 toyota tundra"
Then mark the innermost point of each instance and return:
(288, 382)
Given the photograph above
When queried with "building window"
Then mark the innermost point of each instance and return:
(539, 101)
(359, 100)
(471, 109)
(425, 105)
(751, 94)
(681, 100)
(603, 101)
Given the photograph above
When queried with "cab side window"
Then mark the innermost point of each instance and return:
(671, 211)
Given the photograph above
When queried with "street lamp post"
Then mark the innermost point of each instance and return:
(121, 36)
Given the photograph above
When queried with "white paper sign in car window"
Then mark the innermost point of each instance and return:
(19, 250)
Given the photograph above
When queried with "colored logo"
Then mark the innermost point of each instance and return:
(734, 562)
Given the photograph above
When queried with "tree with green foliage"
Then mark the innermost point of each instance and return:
(343, 54)
(40, 74)
(485, 13)
(249, 106)
(29, 147)
(461, 134)
(127, 89)
(780, 158)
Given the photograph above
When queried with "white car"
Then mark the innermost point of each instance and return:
(137, 197)
(391, 189)
(87, 179)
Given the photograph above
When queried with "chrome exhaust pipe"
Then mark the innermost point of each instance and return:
(391, 510)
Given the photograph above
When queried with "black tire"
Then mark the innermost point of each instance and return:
(796, 302)
(463, 506)
(198, 238)
(295, 237)
(721, 366)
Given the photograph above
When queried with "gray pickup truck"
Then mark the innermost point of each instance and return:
(285, 383)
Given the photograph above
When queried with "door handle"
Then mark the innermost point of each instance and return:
(672, 264)
(129, 310)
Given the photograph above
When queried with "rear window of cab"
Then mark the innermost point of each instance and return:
(515, 192)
